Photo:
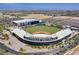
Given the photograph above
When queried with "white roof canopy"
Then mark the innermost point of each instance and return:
(61, 34)
(25, 20)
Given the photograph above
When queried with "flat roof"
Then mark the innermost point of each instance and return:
(25, 20)
(21, 33)
(63, 33)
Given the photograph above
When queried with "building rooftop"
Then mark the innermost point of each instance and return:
(20, 32)
(63, 33)
(25, 20)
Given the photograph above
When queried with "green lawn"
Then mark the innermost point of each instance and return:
(48, 29)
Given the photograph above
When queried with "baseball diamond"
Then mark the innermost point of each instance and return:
(42, 29)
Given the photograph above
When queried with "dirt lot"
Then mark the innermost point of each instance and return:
(37, 16)
(73, 21)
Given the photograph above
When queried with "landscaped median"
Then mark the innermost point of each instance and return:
(1, 28)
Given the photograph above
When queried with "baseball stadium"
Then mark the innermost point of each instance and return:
(39, 34)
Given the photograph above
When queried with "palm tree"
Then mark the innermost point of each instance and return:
(6, 36)
(9, 43)
(21, 49)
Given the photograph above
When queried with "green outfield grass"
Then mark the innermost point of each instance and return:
(48, 29)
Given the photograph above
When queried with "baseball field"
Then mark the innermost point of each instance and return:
(42, 30)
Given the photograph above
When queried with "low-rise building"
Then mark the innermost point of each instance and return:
(26, 22)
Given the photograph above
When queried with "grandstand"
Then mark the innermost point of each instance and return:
(41, 38)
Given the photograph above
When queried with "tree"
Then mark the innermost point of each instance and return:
(9, 43)
(21, 50)
(6, 36)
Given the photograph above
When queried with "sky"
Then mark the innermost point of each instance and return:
(39, 6)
